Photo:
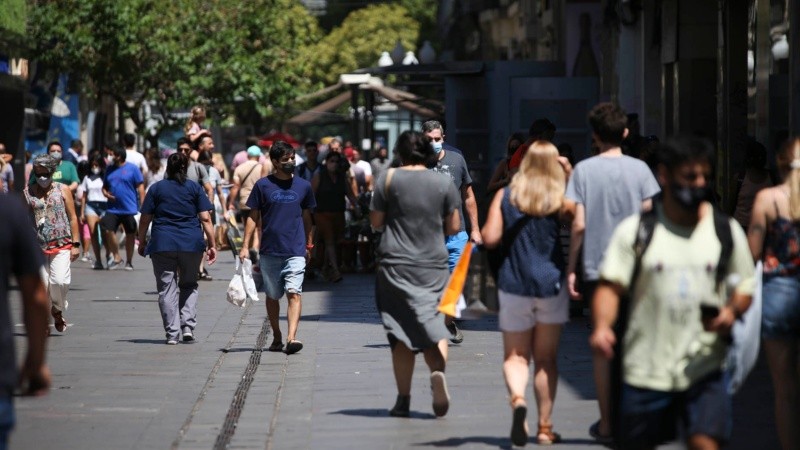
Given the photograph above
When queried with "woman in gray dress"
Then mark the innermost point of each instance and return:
(416, 208)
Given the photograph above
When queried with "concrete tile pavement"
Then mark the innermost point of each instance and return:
(116, 385)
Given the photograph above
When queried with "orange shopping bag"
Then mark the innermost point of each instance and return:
(455, 286)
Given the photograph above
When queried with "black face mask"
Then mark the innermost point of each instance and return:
(689, 198)
(288, 167)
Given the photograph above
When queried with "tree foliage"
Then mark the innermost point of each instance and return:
(12, 16)
(359, 41)
(233, 55)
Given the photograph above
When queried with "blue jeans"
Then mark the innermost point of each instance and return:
(455, 247)
(6, 420)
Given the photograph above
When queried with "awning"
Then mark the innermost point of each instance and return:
(420, 106)
(318, 112)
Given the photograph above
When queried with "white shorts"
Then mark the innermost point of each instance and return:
(521, 313)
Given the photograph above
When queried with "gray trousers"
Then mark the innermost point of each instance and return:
(176, 282)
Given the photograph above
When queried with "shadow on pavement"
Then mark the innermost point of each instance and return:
(119, 300)
(241, 350)
(499, 442)
(376, 346)
(380, 413)
(143, 341)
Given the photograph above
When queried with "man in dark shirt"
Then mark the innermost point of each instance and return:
(454, 166)
(283, 203)
(17, 238)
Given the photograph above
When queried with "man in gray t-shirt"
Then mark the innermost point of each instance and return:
(606, 188)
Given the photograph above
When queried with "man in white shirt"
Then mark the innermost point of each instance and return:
(365, 166)
(134, 157)
(76, 150)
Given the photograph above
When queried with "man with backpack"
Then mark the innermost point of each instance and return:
(672, 283)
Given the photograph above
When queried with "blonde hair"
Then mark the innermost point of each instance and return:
(538, 188)
(196, 111)
(788, 161)
(217, 160)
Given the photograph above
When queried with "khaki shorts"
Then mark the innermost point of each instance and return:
(521, 313)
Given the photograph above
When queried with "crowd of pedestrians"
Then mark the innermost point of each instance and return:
(664, 271)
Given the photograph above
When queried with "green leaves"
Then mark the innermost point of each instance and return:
(241, 57)
(180, 52)
(360, 39)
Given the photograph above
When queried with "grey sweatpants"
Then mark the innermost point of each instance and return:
(176, 282)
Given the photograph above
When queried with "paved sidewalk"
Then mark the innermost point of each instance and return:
(117, 386)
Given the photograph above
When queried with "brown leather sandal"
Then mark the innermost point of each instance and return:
(545, 435)
(519, 426)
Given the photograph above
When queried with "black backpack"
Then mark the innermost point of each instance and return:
(644, 234)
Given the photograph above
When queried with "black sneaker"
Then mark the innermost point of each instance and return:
(456, 336)
(188, 336)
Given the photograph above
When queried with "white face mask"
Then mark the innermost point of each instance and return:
(437, 147)
(56, 155)
(44, 181)
(96, 170)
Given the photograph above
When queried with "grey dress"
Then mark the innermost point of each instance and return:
(413, 271)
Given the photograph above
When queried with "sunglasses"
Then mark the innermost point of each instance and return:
(185, 149)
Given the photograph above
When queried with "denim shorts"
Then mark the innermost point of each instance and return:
(455, 247)
(282, 274)
(650, 417)
(780, 317)
(97, 209)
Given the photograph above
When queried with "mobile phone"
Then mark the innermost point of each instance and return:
(709, 311)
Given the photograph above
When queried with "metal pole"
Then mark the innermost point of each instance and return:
(763, 70)
(355, 138)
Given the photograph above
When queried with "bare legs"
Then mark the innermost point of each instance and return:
(602, 383)
(92, 221)
(113, 247)
(541, 342)
(292, 316)
(403, 363)
(785, 370)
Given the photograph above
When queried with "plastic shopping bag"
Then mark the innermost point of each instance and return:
(242, 286)
(743, 353)
(452, 302)
(249, 282)
(237, 295)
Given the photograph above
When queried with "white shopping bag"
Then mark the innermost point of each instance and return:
(237, 295)
(743, 352)
(247, 279)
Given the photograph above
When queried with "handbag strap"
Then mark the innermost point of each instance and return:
(250, 172)
(389, 175)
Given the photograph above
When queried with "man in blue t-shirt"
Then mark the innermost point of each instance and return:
(124, 188)
(284, 204)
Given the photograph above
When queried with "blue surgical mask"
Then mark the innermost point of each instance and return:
(437, 147)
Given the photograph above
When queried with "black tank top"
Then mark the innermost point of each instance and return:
(330, 193)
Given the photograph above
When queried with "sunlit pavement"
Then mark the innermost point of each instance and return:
(117, 386)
